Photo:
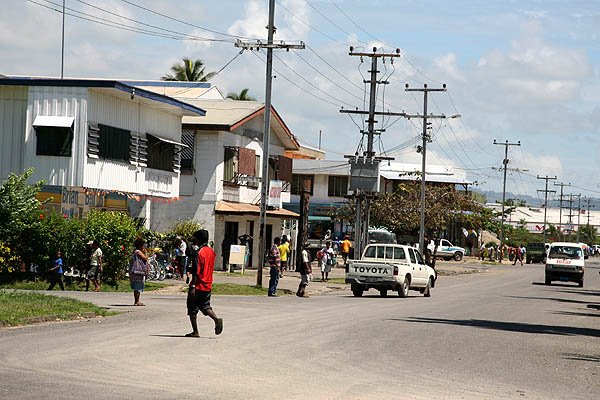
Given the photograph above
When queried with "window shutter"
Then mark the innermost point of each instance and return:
(284, 169)
(93, 144)
(247, 161)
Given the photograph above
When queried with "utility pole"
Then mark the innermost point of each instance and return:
(267, 127)
(62, 47)
(426, 139)
(505, 163)
(578, 216)
(562, 185)
(589, 206)
(363, 196)
(546, 191)
(320, 139)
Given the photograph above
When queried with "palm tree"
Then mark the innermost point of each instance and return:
(242, 96)
(192, 71)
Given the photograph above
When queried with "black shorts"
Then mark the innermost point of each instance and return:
(198, 301)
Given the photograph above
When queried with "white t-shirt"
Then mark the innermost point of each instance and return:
(95, 259)
(182, 248)
(304, 256)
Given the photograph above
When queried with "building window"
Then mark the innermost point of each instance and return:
(338, 186)
(114, 143)
(297, 180)
(229, 164)
(257, 166)
(160, 154)
(54, 141)
(187, 153)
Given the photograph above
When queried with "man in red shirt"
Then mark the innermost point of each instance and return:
(203, 265)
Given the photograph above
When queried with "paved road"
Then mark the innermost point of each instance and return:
(494, 335)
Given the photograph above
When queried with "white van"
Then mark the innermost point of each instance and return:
(565, 262)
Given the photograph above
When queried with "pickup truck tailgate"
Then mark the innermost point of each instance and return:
(370, 271)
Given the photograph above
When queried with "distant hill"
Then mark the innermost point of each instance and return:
(492, 197)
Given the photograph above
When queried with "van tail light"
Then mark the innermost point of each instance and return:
(395, 270)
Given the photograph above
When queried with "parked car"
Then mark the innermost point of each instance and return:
(536, 252)
(392, 267)
(565, 262)
(447, 250)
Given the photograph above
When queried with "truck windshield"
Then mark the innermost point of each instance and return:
(382, 237)
(565, 252)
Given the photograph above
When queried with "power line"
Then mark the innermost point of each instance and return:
(143, 23)
(184, 22)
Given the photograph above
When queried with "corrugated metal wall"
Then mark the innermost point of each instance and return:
(13, 112)
(136, 117)
(65, 102)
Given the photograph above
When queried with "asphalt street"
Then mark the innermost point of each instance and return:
(500, 334)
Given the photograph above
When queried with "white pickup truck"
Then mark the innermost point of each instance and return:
(390, 267)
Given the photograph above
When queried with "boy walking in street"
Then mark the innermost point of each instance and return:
(203, 265)
(275, 265)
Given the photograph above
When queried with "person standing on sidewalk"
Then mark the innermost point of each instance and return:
(56, 273)
(138, 270)
(346, 246)
(95, 273)
(326, 261)
(274, 264)
(200, 288)
(284, 253)
(305, 272)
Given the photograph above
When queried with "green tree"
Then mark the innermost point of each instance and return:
(189, 70)
(588, 234)
(243, 95)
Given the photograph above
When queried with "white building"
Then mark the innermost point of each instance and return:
(221, 172)
(93, 142)
(532, 218)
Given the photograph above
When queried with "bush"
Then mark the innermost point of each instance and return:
(116, 232)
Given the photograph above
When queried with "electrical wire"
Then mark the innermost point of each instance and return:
(309, 82)
(331, 22)
(102, 21)
(184, 22)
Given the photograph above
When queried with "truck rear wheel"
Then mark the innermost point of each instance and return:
(404, 287)
(383, 293)
(357, 290)
(548, 280)
(458, 256)
(581, 283)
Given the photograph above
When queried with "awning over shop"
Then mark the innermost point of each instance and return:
(226, 207)
(318, 218)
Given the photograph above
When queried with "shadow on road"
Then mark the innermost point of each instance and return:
(581, 292)
(554, 284)
(184, 337)
(576, 314)
(552, 298)
(508, 326)
(581, 357)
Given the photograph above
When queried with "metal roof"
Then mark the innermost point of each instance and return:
(188, 109)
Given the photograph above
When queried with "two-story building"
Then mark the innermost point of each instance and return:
(221, 173)
(95, 143)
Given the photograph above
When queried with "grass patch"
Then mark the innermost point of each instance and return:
(18, 308)
(339, 281)
(123, 286)
(233, 289)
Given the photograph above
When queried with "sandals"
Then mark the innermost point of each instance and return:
(192, 334)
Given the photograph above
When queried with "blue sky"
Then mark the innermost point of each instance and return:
(515, 70)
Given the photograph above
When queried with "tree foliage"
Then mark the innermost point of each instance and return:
(399, 211)
(243, 95)
(189, 70)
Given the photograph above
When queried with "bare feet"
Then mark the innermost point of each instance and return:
(138, 304)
